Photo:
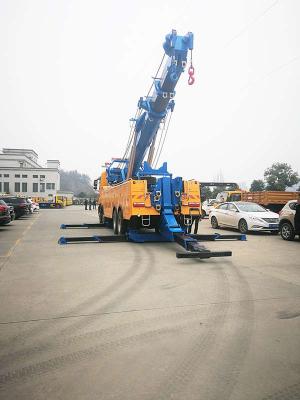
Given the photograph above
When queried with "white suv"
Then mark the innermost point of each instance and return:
(287, 221)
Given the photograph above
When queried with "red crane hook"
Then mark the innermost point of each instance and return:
(191, 72)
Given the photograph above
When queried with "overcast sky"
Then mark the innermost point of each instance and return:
(72, 71)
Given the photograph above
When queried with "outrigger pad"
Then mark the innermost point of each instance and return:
(87, 226)
(93, 239)
(218, 237)
(204, 254)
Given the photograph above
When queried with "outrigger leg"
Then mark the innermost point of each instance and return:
(190, 242)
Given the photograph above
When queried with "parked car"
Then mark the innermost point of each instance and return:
(244, 216)
(11, 212)
(33, 205)
(18, 203)
(207, 206)
(4, 213)
(30, 205)
(287, 221)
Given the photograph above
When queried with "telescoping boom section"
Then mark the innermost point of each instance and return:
(138, 200)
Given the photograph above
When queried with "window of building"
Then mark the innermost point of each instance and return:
(35, 176)
(42, 176)
(17, 175)
(35, 187)
(0, 187)
(50, 186)
(42, 187)
(6, 187)
(24, 187)
(0, 175)
(17, 187)
(6, 175)
(24, 176)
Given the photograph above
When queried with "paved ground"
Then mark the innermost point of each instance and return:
(128, 321)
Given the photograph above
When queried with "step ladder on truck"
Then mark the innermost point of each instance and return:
(143, 203)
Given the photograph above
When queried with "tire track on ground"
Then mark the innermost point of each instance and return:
(28, 352)
(24, 355)
(235, 344)
(70, 358)
(112, 288)
(177, 378)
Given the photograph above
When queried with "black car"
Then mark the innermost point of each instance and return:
(4, 213)
(18, 203)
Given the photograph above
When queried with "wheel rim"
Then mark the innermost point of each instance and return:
(243, 226)
(285, 231)
(214, 222)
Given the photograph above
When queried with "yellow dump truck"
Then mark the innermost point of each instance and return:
(273, 200)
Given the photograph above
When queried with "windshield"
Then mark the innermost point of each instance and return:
(235, 197)
(250, 207)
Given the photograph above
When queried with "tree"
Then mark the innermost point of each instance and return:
(258, 185)
(280, 176)
(76, 182)
(205, 193)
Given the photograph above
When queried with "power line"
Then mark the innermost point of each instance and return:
(246, 27)
(273, 71)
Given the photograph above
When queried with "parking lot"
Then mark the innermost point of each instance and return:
(130, 321)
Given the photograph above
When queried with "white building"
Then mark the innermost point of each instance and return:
(21, 175)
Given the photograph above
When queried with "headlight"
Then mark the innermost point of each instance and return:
(257, 219)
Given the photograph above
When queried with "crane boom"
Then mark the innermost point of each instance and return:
(161, 101)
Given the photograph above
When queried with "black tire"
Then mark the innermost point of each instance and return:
(101, 214)
(243, 227)
(121, 224)
(214, 222)
(115, 221)
(287, 231)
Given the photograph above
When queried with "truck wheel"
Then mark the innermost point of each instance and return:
(287, 231)
(214, 222)
(101, 214)
(121, 223)
(243, 227)
(115, 221)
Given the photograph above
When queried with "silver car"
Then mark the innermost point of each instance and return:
(287, 221)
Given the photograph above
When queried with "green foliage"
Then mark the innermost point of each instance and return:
(280, 176)
(82, 195)
(206, 193)
(258, 185)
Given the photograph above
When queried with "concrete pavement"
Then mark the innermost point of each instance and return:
(130, 321)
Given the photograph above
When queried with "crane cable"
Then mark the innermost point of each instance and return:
(163, 142)
(130, 137)
(160, 139)
(155, 77)
(138, 113)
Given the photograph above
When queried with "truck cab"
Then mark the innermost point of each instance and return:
(229, 195)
